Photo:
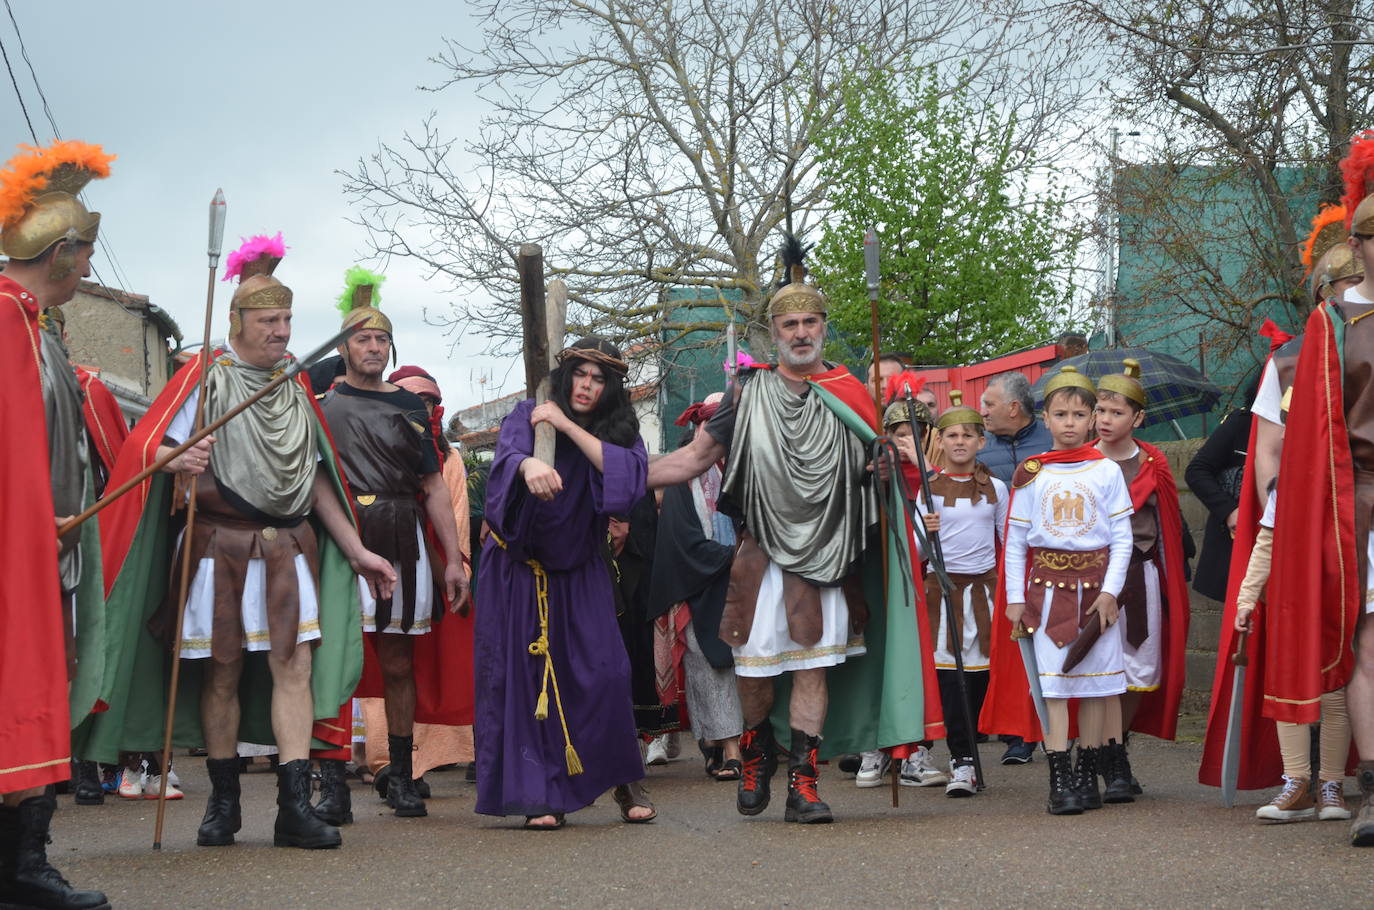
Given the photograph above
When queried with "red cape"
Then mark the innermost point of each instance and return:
(35, 723)
(104, 420)
(444, 684)
(1009, 709)
(1315, 596)
(1261, 765)
(119, 521)
(1158, 711)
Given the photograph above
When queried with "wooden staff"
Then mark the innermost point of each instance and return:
(216, 244)
(871, 272)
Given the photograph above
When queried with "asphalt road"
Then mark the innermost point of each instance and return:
(1175, 847)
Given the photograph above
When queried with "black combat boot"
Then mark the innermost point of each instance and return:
(1116, 771)
(1085, 777)
(1064, 798)
(27, 879)
(759, 752)
(336, 802)
(86, 784)
(804, 804)
(401, 794)
(297, 824)
(1362, 829)
(222, 815)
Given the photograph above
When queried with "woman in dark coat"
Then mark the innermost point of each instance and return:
(1215, 476)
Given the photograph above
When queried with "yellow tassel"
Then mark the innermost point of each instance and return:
(541, 707)
(574, 763)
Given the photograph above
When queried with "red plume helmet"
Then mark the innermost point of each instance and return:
(1357, 170)
(904, 379)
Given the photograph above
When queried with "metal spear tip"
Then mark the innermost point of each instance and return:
(218, 210)
(871, 260)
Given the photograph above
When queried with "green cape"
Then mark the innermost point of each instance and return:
(877, 700)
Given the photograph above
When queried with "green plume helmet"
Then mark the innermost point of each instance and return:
(358, 304)
(357, 279)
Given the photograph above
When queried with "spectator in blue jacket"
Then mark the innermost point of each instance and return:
(1014, 434)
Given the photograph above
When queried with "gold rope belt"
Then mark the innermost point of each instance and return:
(540, 648)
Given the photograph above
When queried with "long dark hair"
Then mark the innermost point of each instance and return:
(613, 420)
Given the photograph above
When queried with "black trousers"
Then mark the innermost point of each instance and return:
(957, 736)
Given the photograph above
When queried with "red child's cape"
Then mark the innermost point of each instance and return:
(1008, 709)
(1158, 711)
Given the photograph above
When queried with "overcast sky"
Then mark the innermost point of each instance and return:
(267, 101)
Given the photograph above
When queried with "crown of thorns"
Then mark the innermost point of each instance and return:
(598, 351)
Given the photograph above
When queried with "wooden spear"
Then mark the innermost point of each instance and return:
(216, 245)
(871, 273)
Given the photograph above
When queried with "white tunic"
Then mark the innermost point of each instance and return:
(968, 539)
(196, 632)
(1080, 506)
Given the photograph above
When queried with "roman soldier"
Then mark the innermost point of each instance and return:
(386, 444)
(48, 236)
(804, 597)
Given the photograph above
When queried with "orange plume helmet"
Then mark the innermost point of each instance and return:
(1328, 229)
(38, 197)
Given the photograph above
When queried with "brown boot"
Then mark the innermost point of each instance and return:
(1362, 831)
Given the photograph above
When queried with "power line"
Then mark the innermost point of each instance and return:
(20, 95)
(24, 52)
(121, 280)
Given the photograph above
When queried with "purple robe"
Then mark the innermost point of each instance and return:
(520, 760)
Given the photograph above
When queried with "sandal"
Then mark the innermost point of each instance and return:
(634, 795)
(713, 756)
(558, 820)
(731, 770)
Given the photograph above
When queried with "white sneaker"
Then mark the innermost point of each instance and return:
(920, 771)
(657, 753)
(872, 766)
(962, 781)
(154, 783)
(131, 783)
(172, 779)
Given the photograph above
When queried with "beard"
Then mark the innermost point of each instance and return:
(799, 360)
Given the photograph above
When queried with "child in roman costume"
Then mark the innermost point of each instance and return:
(970, 515)
(1067, 551)
(1154, 602)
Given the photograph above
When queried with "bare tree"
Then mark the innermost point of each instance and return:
(652, 144)
(1251, 105)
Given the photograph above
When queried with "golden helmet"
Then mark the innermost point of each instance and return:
(1126, 383)
(38, 197)
(959, 413)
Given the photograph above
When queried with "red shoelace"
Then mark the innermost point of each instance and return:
(805, 782)
(752, 771)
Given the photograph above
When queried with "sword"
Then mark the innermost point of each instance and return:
(1022, 636)
(1230, 755)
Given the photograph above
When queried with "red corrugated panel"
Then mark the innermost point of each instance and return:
(973, 379)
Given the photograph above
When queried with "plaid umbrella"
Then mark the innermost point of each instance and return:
(1174, 389)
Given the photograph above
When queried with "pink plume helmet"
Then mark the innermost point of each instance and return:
(251, 250)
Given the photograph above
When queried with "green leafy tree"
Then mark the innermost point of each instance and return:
(976, 261)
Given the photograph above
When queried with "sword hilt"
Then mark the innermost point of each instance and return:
(1242, 657)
